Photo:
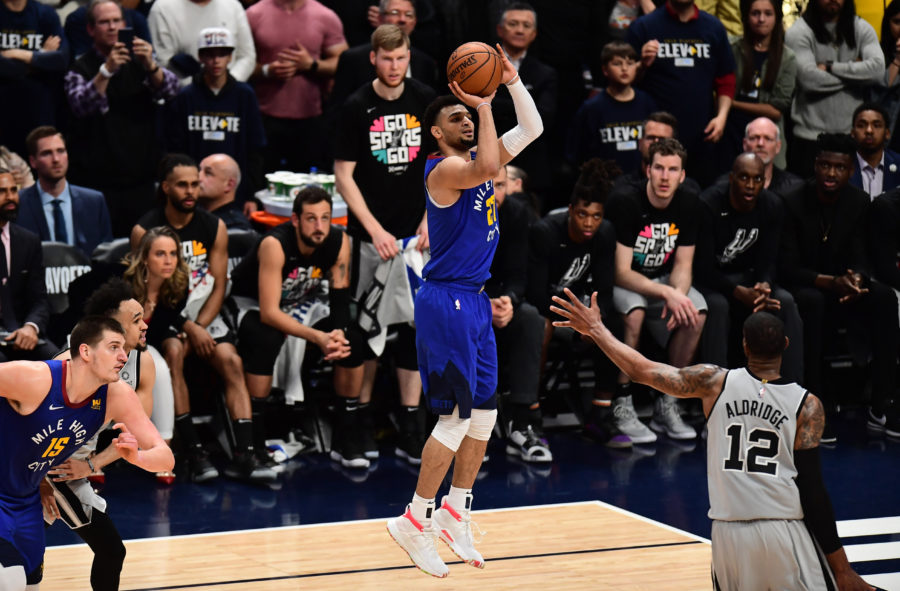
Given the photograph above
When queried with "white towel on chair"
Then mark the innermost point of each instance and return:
(389, 299)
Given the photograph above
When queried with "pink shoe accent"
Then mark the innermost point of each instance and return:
(446, 533)
(412, 519)
(449, 509)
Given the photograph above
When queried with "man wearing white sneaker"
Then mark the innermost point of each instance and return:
(457, 353)
(656, 230)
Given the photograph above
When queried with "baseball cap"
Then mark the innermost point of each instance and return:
(212, 37)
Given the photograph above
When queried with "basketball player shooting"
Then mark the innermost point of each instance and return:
(763, 468)
(457, 355)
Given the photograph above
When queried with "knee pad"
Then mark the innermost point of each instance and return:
(482, 424)
(450, 430)
(12, 578)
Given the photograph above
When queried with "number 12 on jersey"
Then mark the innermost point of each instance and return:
(761, 445)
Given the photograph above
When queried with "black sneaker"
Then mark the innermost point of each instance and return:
(246, 466)
(367, 432)
(602, 428)
(525, 444)
(875, 421)
(200, 469)
(347, 449)
(409, 447)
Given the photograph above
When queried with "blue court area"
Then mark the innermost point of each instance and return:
(665, 481)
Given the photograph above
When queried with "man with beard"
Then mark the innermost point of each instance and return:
(378, 170)
(297, 283)
(53, 208)
(824, 263)
(657, 126)
(67, 493)
(656, 234)
(761, 136)
(737, 247)
(876, 169)
(204, 243)
(24, 310)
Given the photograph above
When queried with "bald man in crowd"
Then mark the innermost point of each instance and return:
(220, 176)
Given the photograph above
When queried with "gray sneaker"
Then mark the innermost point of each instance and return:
(628, 422)
(667, 419)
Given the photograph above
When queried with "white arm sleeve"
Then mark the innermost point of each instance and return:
(529, 125)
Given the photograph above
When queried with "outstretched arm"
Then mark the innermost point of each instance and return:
(139, 442)
(696, 381)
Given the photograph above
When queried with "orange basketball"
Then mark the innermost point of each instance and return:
(476, 67)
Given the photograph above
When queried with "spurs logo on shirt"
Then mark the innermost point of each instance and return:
(623, 134)
(683, 51)
(195, 255)
(54, 439)
(21, 40)
(300, 285)
(489, 206)
(743, 239)
(655, 244)
(576, 271)
(214, 126)
(396, 140)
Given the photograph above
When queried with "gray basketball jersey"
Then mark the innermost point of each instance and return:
(129, 374)
(750, 450)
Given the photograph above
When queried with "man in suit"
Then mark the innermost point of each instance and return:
(52, 208)
(355, 68)
(877, 168)
(24, 310)
(517, 30)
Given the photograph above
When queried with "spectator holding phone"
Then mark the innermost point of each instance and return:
(113, 93)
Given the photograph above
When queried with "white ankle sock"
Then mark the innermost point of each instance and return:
(461, 500)
(421, 510)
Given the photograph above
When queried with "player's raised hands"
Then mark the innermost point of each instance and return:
(509, 71)
(470, 100)
(577, 316)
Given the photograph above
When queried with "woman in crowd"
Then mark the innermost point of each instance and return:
(159, 279)
(888, 92)
(766, 75)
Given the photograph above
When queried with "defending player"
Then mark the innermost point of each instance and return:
(763, 466)
(457, 354)
(67, 493)
(52, 408)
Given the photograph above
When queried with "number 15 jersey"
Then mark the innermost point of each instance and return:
(750, 449)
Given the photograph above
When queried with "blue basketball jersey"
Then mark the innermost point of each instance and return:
(463, 236)
(32, 444)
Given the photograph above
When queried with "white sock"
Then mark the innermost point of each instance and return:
(461, 500)
(421, 510)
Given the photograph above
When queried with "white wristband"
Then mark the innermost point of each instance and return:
(265, 70)
(104, 71)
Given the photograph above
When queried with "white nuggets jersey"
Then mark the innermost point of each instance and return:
(750, 449)
(130, 374)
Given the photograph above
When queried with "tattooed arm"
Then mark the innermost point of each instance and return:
(339, 274)
(810, 424)
(696, 381)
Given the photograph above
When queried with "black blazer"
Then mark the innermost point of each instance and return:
(28, 290)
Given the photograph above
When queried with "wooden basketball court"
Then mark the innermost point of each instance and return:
(571, 546)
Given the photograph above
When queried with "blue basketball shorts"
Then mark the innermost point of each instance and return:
(457, 353)
(22, 530)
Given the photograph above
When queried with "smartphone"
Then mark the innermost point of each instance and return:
(126, 36)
